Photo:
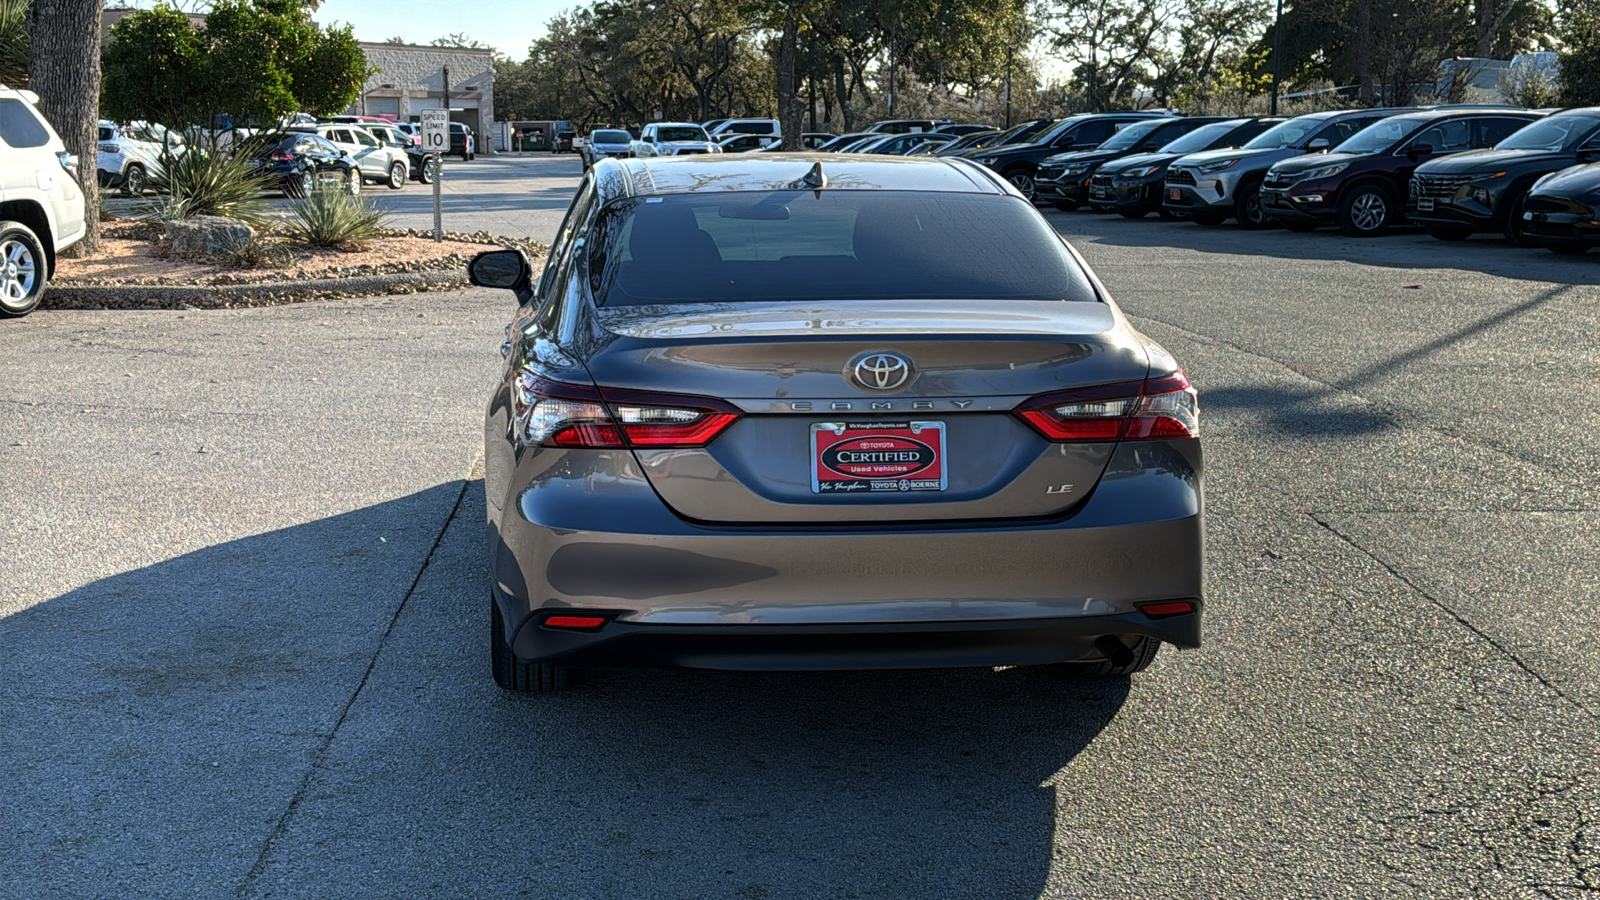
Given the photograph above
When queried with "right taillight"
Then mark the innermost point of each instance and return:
(1153, 409)
(558, 414)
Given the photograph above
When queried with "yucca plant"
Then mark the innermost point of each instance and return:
(207, 183)
(329, 216)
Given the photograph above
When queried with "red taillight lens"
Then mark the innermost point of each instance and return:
(1167, 608)
(557, 414)
(282, 157)
(1154, 409)
(581, 623)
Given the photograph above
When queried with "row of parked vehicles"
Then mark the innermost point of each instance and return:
(1456, 171)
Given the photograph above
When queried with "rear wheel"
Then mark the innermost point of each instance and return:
(397, 175)
(1448, 232)
(428, 171)
(352, 183)
(22, 269)
(134, 182)
(1567, 248)
(513, 674)
(1366, 211)
(1247, 208)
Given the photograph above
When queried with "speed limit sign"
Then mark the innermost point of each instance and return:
(435, 131)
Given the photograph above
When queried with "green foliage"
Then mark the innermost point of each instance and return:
(1580, 64)
(332, 217)
(204, 183)
(14, 43)
(255, 60)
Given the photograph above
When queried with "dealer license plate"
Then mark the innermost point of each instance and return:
(1425, 204)
(1174, 194)
(873, 457)
(1098, 193)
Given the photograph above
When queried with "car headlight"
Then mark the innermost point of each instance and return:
(715, 149)
(1218, 166)
(988, 160)
(1322, 172)
(1144, 172)
(1075, 169)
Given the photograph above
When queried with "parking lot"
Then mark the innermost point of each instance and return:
(242, 617)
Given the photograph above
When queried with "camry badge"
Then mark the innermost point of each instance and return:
(880, 371)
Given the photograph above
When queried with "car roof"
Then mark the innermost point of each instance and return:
(779, 171)
(1429, 115)
(674, 125)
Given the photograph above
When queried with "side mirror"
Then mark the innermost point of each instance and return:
(505, 269)
(1418, 150)
(1318, 144)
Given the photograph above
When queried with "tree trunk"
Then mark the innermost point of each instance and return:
(1364, 50)
(789, 112)
(64, 70)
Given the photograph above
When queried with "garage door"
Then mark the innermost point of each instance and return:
(383, 106)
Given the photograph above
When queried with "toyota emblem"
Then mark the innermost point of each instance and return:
(880, 371)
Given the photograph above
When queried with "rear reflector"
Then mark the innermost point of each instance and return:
(1149, 410)
(1167, 608)
(574, 622)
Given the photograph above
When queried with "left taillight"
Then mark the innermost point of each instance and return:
(1150, 410)
(559, 414)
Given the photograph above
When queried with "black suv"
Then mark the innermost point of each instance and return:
(1020, 162)
(1134, 185)
(1562, 211)
(1361, 185)
(1063, 179)
(1484, 190)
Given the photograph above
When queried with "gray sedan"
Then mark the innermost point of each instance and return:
(763, 412)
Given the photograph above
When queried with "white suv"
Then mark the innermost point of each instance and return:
(130, 155)
(766, 128)
(672, 139)
(378, 162)
(41, 204)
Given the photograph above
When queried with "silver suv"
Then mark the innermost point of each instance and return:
(41, 204)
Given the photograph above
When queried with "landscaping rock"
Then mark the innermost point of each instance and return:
(209, 235)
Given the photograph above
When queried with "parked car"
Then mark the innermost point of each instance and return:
(376, 161)
(604, 143)
(412, 130)
(1562, 211)
(1483, 190)
(347, 120)
(660, 493)
(1217, 185)
(1362, 184)
(813, 140)
(463, 142)
(1019, 163)
(128, 155)
(1020, 133)
(767, 128)
(563, 142)
(424, 167)
(906, 126)
(965, 128)
(1063, 179)
(743, 143)
(845, 140)
(672, 139)
(901, 144)
(41, 202)
(298, 161)
(1132, 185)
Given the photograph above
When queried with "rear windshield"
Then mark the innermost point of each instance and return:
(829, 245)
(1554, 133)
(612, 137)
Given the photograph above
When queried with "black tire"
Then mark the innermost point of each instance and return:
(1132, 213)
(1210, 220)
(1513, 227)
(513, 674)
(1448, 232)
(397, 175)
(1065, 205)
(428, 171)
(1567, 248)
(134, 182)
(1021, 178)
(300, 184)
(24, 269)
(353, 182)
(1367, 210)
(1247, 208)
(1137, 658)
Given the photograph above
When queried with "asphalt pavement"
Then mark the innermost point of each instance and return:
(243, 619)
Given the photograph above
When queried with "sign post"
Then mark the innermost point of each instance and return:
(436, 143)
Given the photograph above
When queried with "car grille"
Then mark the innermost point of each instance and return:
(1437, 187)
(1180, 176)
(1050, 173)
(1101, 181)
(689, 152)
(1276, 183)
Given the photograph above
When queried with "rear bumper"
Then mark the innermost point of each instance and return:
(587, 534)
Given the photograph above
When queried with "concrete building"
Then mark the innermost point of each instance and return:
(410, 79)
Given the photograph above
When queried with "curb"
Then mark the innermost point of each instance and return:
(225, 296)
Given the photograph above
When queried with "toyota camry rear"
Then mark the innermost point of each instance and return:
(764, 412)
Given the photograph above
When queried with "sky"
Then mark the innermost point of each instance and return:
(507, 26)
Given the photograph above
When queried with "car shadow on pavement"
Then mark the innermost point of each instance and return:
(1405, 248)
(312, 706)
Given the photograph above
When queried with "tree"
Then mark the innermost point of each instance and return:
(153, 68)
(14, 43)
(1580, 64)
(64, 70)
(458, 39)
